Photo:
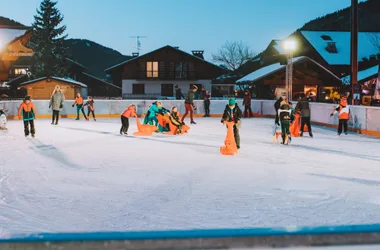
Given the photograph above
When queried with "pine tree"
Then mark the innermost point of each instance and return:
(48, 42)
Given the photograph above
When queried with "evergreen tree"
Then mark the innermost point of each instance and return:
(48, 42)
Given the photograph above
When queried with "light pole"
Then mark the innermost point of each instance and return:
(289, 46)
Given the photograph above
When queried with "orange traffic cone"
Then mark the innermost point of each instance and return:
(229, 147)
(144, 130)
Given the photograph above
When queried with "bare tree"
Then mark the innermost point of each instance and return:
(375, 40)
(233, 54)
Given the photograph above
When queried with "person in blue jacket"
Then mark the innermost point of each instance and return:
(151, 115)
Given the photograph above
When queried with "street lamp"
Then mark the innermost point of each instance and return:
(289, 46)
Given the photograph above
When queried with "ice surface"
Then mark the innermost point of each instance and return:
(84, 176)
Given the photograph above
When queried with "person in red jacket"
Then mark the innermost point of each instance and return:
(128, 113)
(28, 112)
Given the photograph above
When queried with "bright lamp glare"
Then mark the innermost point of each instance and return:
(290, 45)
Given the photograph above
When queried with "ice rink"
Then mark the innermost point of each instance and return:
(85, 176)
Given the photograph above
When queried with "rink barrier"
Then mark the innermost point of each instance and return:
(286, 238)
(365, 119)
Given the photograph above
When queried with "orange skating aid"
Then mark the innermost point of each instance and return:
(229, 147)
(295, 126)
(144, 130)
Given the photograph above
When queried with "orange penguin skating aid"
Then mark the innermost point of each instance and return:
(229, 147)
(144, 130)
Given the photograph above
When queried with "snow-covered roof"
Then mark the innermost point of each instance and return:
(265, 71)
(278, 46)
(67, 80)
(342, 43)
(134, 58)
(363, 75)
(94, 77)
(8, 35)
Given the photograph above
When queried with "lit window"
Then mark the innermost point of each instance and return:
(21, 71)
(151, 69)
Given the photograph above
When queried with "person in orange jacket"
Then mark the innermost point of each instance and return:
(344, 114)
(127, 113)
(79, 102)
(28, 112)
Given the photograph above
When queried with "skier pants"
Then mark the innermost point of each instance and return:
(90, 112)
(124, 124)
(189, 109)
(80, 108)
(305, 120)
(26, 127)
(55, 116)
(247, 110)
(285, 129)
(207, 107)
(342, 123)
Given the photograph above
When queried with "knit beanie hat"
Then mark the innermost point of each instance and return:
(231, 102)
(27, 98)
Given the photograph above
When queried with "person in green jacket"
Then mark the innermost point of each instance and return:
(232, 113)
(189, 104)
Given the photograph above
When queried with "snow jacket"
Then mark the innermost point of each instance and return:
(175, 119)
(232, 114)
(78, 100)
(90, 105)
(129, 112)
(304, 107)
(190, 98)
(28, 111)
(343, 110)
(56, 101)
(247, 100)
(285, 113)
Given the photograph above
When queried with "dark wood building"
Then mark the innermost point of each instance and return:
(158, 72)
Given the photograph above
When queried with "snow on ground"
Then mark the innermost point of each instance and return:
(84, 176)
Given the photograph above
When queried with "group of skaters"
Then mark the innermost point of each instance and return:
(285, 114)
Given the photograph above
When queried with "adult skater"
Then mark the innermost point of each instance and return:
(232, 113)
(277, 105)
(189, 104)
(178, 93)
(56, 104)
(28, 112)
(343, 111)
(247, 104)
(304, 106)
(207, 100)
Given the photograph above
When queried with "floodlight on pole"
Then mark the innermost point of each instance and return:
(289, 46)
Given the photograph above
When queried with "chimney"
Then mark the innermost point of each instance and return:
(176, 47)
(331, 47)
(198, 53)
(136, 54)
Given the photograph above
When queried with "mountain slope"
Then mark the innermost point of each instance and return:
(4, 21)
(94, 56)
(369, 19)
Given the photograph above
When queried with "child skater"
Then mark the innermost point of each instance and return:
(3, 120)
(28, 112)
(127, 113)
(79, 102)
(343, 111)
(175, 119)
(90, 107)
(232, 112)
(285, 115)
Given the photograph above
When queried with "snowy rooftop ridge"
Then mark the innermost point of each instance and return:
(320, 39)
(263, 72)
(68, 80)
(363, 74)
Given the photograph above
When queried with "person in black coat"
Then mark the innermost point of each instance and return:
(232, 112)
(178, 93)
(276, 108)
(304, 107)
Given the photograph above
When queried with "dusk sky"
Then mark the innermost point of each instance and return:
(191, 25)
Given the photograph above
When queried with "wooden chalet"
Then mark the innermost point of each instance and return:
(307, 75)
(42, 88)
(158, 72)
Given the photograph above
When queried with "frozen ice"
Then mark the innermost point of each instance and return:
(84, 176)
